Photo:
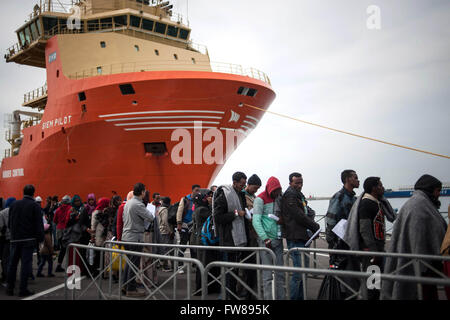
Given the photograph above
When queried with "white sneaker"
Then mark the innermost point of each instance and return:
(180, 270)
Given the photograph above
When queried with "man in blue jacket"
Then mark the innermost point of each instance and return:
(26, 227)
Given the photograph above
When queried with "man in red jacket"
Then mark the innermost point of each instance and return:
(62, 215)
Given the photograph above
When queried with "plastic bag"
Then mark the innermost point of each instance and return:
(116, 255)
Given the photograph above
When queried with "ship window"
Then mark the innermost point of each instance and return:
(103, 44)
(147, 24)
(184, 34)
(27, 36)
(34, 31)
(31, 137)
(157, 52)
(135, 21)
(92, 25)
(157, 149)
(126, 89)
(136, 47)
(120, 20)
(252, 92)
(193, 61)
(99, 70)
(243, 91)
(175, 56)
(62, 24)
(50, 23)
(172, 31)
(39, 27)
(161, 28)
(57, 73)
(22, 38)
(106, 23)
(42, 134)
(81, 96)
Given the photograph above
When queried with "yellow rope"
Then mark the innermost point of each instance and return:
(349, 133)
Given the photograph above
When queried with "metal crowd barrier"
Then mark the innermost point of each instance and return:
(325, 272)
(176, 249)
(416, 261)
(123, 254)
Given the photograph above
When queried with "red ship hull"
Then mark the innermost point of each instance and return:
(97, 145)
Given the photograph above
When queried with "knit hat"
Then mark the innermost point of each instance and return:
(254, 180)
(66, 199)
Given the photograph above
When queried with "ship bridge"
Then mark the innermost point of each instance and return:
(145, 19)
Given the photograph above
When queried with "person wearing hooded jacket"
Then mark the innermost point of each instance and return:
(4, 229)
(419, 229)
(269, 236)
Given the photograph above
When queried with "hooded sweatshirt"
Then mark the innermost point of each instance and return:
(4, 218)
(265, 227)
(62, 215)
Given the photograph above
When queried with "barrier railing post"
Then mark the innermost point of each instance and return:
(223, 283)
(73, 261)
(110, 272)
(120, 277)
(304, 275)
(188, 281)
(417, 274)
(258, 275)
(175, 270)
(100, 276)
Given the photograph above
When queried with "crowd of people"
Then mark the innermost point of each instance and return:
(233, 215)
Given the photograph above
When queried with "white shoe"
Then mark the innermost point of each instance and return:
(180, 270)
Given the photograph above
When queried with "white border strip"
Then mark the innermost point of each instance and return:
(43, 293)
(162, 122)
(245, 127)
(250, 123)
(156, 112)
(164, 117)
(250, 117)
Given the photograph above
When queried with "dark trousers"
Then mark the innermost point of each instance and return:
(62, 254)
(5, 259)
(129, 273)
(38, 253)
(185, 236)
(249, 276)
(46, 258)
(231, 282)
(22, 251)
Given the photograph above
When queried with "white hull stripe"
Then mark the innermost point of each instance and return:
(245, 127)
(250, 117)
(250, 123)
(164, 117)
(166, 128)
(162, 122)
(158, 112)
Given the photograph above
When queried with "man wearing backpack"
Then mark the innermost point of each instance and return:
(184, 221)
(339, 208)
(229, 210)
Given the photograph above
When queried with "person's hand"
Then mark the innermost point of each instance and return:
(280, 221)
(179, 227)
(241, 213)
(268, 243)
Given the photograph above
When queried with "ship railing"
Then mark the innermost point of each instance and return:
(167, 65)
(35, 94)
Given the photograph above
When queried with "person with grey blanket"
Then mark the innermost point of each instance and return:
(366, 228)
(419, 229)
(228, 212)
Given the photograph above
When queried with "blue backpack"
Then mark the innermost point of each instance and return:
(207, 235)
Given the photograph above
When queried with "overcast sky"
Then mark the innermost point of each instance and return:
(325, 66)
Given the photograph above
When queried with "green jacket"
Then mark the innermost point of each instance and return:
(265, 227)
